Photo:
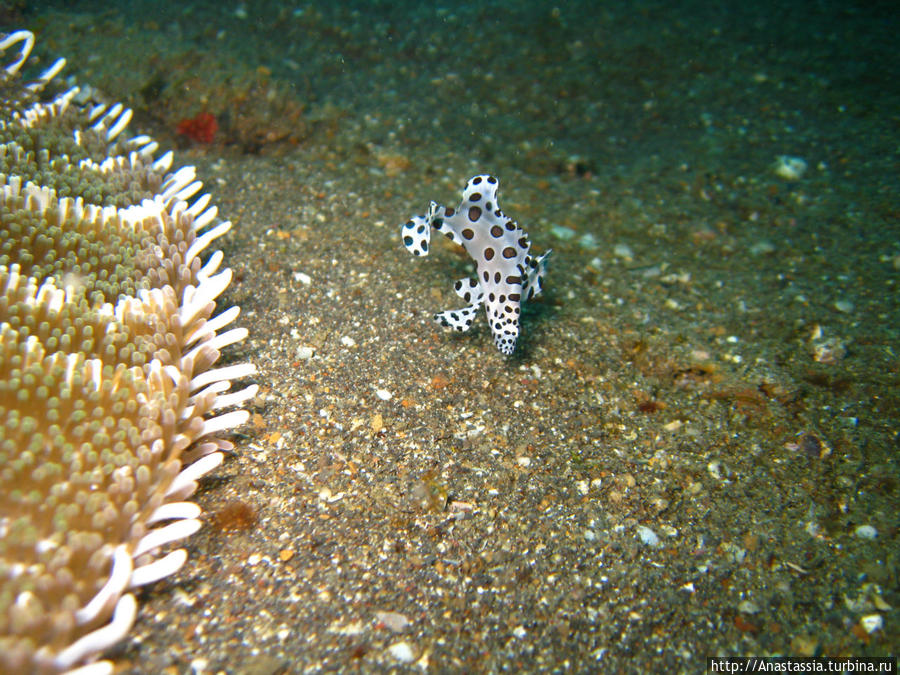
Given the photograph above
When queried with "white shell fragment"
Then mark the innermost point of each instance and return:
(789, 168)
(647, 536)
(402, 652)
(871, 623)
(866, 532)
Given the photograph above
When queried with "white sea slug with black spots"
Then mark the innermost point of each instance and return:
(506, 273)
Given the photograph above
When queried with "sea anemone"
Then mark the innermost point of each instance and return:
(111, 408)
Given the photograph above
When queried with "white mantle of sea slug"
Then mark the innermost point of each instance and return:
(506, 272)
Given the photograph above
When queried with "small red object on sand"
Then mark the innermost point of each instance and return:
(201, 128)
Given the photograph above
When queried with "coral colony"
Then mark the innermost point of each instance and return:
(507, 274)
(111, 408)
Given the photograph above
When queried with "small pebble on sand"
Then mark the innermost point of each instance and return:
(402, 652)
(647, 536)
(866, 532)
(789, 168)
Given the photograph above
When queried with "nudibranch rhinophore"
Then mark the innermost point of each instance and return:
(507, 274)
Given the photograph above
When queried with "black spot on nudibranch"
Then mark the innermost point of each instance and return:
(476, 180)
(492, 180)
(468, 233)
(509, 252)
(474, 213)
(489, 253)
(475, 196)
(496, 231)
(449, 211)
(407, 241)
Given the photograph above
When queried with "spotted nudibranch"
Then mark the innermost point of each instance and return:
(507, 274)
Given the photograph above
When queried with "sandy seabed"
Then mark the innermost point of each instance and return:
(693, 451)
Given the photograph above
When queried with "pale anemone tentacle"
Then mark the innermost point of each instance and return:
(234, 372)
(102, 638)
(157, 537)
(142, 139)
(49, 74)
(235, 418)
(222, 400)
(118, 579)
(188, 191)
(176, 181)
(96, 111)
(204, 240)
(189, 476)
(197, 298)
(236, 398)
(119, 125)
(217, 387)
(175, 510)
(215, 259)
(206, 217)
(18, 36)
(199, 205)
(158, 569)
(220, 341)
(164, 162)
(96, 668)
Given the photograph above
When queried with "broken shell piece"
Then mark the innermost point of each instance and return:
(827, 350)
(789, 168)
(871, 623)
